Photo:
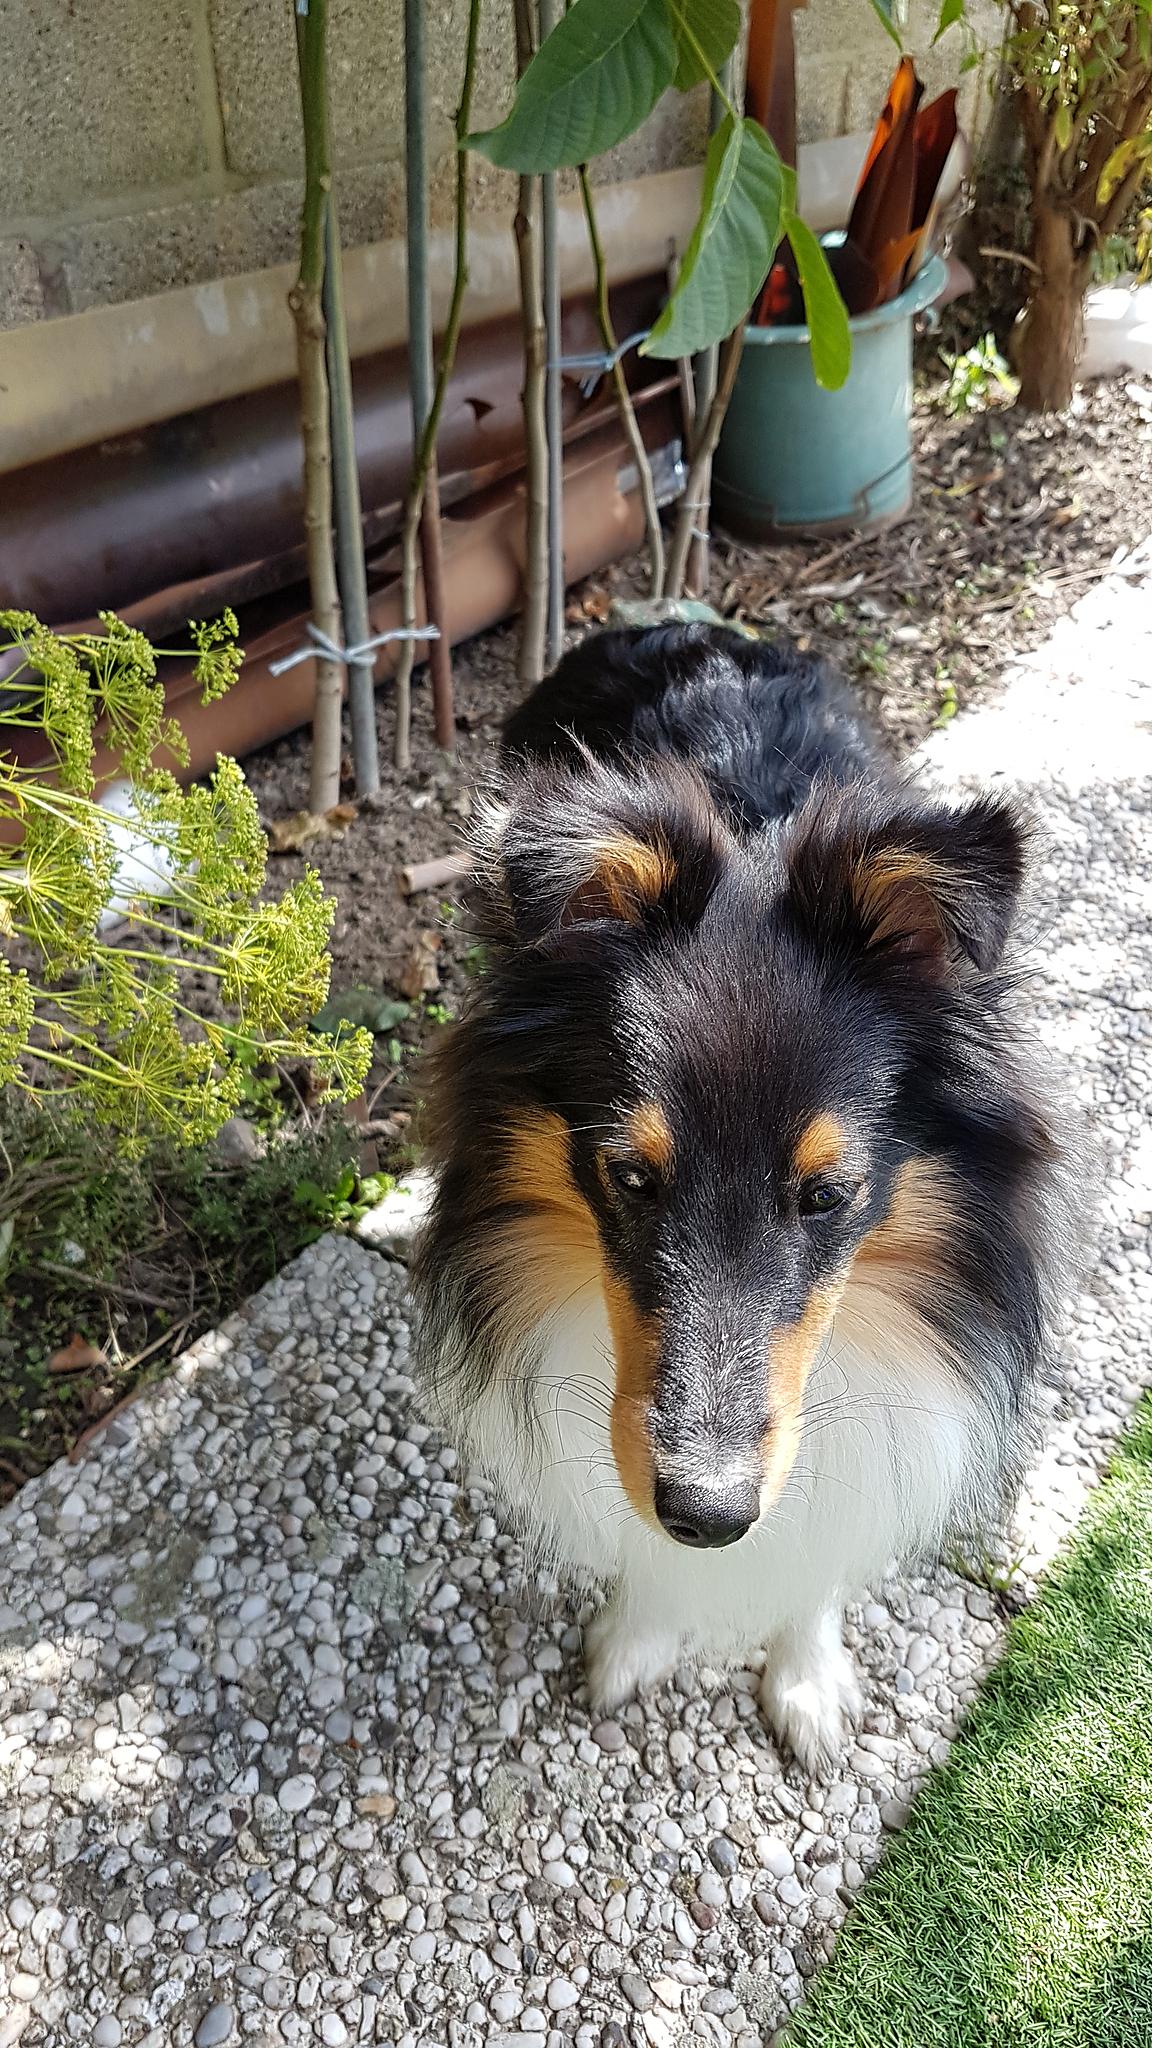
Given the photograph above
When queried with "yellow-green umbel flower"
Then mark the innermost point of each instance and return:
(113, 1026)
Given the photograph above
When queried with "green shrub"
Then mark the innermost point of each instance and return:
(106, 1018)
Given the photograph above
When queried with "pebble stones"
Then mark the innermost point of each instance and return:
(293, 1745)
(217, 2025)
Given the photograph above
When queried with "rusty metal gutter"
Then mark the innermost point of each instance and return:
(208, 494)
(484, 565)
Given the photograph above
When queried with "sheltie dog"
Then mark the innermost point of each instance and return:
(748, 1229)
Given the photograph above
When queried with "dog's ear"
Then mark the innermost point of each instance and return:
(928, 887)
(576, 853)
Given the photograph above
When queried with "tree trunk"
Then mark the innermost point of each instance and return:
(1052, 336)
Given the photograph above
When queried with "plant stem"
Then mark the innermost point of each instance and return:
(534, 622)
(553, 385)
(720, 83)
(349, 527)
(306, 303)
(426, 442)
(421, 373)
(436, 610)
(694, 503)
(689, 562)
(419, 354)
(631, 425)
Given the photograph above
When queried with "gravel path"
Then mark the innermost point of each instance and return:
(291, 1752)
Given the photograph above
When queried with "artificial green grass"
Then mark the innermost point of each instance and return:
(1015, 1910)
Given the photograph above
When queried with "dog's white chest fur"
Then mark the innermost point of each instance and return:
(889, 1449)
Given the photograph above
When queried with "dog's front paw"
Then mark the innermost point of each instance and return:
(810, 1697)
(621, 1661)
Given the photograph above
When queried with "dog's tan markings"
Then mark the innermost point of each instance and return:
(898, 895)
(547, 1258)
(819, 1148)
(537, 1170)
(921, 1224)
(650, 1136)
(635, 1341)
(791, 1356)
(627, 877)
(537, 1263)
(554, 1254)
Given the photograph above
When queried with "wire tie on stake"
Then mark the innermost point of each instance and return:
(319, 643)
(598, 362)
(699, 506)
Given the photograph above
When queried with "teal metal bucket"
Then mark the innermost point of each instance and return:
(794, 459)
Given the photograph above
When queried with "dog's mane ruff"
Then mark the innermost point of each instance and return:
(626, 899)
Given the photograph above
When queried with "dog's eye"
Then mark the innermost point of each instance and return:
(630, 1177)
(821, 1198)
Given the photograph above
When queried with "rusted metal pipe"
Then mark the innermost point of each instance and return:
(211, 491)
(484, 558)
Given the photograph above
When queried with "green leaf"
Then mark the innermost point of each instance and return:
(885, 14)
(706, 32)
(830, 335)
(951, 12)
(592, 82)
(1062, 125)
(732, 245)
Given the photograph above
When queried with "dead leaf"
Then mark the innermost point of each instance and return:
(846, 588)
(1065, 514)
(975, 483)
(420, 974)
(76, 1356)
(595, 604)
(292, 834)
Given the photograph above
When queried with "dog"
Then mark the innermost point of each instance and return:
(749, 1224)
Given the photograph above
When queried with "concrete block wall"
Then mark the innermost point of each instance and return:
(156, 145)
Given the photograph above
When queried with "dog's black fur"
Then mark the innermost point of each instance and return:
(713, 902)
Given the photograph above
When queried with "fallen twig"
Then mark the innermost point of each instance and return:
(115, 1287)
(435, 874)
(822, 562)
(77, 1447)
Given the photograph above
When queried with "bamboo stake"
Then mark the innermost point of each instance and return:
(653, 530)
(419, 347)
(534, 621)
(553, 387)
(349, 528)
(694, 503)
(424, 447)
(306, 303)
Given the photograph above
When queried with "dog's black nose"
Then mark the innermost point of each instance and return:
(705, 1520)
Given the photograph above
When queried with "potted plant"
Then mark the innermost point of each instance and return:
(798, 457)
